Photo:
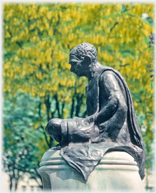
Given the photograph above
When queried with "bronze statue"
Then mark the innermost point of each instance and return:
(111, 123)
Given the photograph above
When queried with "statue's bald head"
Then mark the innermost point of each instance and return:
(84, 50)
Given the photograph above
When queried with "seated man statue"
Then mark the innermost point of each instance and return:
(111, 124)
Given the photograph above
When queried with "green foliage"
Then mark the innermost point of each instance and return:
(21, 148)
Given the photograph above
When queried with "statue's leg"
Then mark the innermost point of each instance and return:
(80, 132)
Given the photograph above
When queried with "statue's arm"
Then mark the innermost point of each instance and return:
(114, 97)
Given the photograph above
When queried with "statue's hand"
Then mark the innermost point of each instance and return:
(89, 119)
(53, 128)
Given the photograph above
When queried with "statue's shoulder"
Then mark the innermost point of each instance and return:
(106, 71)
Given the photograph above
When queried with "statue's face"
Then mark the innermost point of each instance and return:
(77, 66)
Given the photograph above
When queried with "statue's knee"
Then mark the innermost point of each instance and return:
(53, 126)
(56, 122)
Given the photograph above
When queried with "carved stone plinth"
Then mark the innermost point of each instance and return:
(116, 171)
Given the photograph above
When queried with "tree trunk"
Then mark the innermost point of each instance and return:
(10, 186)
(48, 104)
(16, 184)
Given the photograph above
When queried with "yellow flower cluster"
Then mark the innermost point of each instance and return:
(38, 39)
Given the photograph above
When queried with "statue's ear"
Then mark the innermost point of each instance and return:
(87, 60)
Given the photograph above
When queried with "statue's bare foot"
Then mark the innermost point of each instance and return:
(58, 147)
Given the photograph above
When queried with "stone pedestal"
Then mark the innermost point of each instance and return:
(116, 171)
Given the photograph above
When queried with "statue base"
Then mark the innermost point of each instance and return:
(116, 171)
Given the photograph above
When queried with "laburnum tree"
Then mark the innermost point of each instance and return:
(37, 42)
(21, 141)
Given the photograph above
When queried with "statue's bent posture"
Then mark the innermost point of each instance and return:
(111, 123)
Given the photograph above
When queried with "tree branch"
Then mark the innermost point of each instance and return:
(113, 26)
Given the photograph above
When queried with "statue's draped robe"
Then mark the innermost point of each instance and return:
(83, 146)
